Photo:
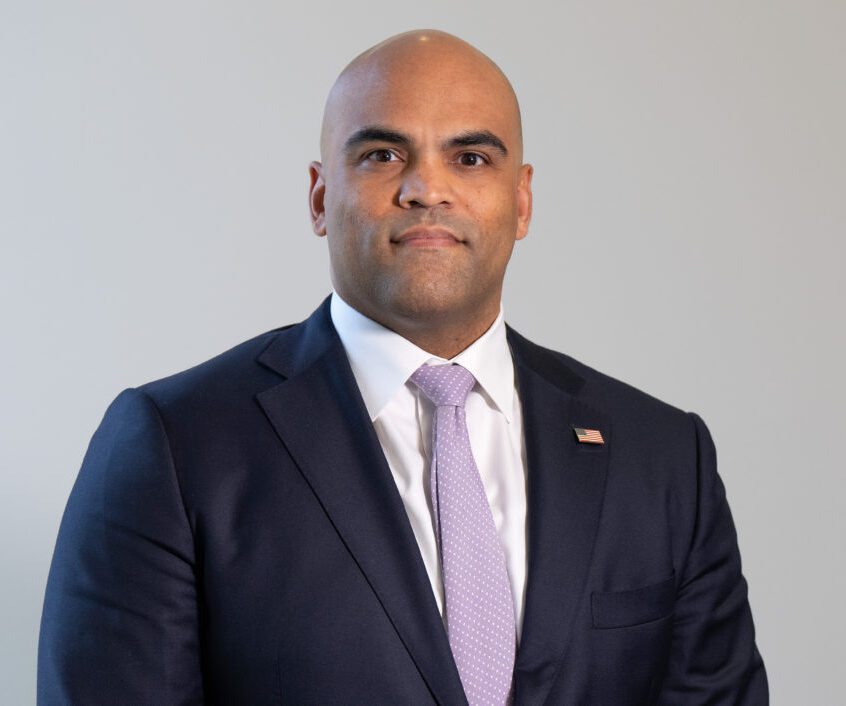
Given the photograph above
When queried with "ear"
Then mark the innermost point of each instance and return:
(524, 200)
(316, 193)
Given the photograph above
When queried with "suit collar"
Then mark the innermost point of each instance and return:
(547, 364)
(297, 347)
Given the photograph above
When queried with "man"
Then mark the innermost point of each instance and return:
(305, 519)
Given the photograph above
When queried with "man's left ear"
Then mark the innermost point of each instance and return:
(524, 200)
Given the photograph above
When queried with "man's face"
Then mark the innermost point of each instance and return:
(422, 194)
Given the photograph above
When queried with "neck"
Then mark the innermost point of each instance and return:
(441, 333)
(445, 341)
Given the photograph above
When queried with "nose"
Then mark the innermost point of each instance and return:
(425, 183)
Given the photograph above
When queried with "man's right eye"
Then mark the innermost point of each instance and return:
(382, 155)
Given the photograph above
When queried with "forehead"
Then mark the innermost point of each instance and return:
(426, 94)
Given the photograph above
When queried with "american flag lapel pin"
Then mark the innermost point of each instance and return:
(588, 436)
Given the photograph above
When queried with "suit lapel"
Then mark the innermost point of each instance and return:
(566, 485)
(320, 418)
(330, 437)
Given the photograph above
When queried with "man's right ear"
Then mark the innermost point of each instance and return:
(316, 192)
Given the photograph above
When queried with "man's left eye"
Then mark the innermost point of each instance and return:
(471, 159)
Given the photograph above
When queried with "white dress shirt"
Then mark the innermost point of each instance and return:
(382, 361)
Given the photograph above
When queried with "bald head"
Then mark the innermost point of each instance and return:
(403, 64)
(421, 192)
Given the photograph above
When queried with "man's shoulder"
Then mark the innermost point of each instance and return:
(254, 364)
(657, 438)
(229, 369)
(224, 387)
(593, 387)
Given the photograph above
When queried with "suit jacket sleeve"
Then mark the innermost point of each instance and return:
(120, 620)
(713, 658)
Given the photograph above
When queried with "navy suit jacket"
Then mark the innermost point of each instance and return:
(235, 536)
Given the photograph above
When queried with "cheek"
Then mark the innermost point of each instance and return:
(356, 210)
(496, 214)
(497, 221)
(352, 229)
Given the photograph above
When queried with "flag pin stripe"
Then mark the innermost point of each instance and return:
(588, 436)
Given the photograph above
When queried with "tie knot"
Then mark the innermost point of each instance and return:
(444, 384)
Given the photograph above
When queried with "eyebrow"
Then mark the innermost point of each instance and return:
(478, 138)
(373, 133)
(470, 138)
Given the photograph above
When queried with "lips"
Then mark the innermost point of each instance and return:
(427, 237)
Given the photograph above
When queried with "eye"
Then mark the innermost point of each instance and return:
(382, 155)
(471, 159)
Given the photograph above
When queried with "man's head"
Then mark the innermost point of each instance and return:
(422, 191)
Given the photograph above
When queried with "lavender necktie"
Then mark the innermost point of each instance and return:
(479, 607)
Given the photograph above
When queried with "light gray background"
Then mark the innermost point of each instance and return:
(688, 237)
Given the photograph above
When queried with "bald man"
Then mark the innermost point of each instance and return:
(318, 517)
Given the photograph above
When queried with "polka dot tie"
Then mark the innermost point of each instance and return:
(479, 608)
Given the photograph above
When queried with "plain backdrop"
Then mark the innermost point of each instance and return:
(688, 238)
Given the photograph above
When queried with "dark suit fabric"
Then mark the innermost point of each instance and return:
(235, 536)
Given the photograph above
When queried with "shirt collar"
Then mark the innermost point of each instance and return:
(382, 360)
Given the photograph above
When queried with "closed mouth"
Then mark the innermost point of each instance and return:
(427, 237)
